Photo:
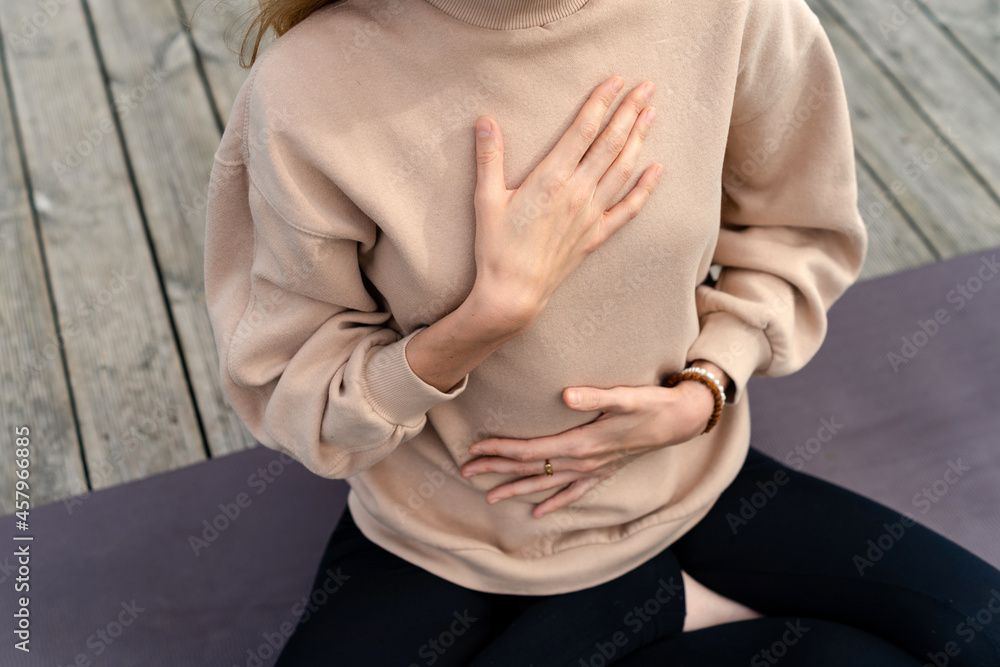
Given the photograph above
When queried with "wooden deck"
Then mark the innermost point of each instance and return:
(110, 115)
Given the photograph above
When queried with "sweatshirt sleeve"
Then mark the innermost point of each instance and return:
(307, 360)
(791, 237)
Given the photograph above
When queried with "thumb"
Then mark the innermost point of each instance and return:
(585, 399)
(489, 158)
(615, 399)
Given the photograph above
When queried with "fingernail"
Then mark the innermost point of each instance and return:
(483, 127)
(617, 84)
(648, 90)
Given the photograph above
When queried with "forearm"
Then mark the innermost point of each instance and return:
(449, 349)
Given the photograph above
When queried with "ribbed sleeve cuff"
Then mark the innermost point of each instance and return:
(734, 346)
(395, 392)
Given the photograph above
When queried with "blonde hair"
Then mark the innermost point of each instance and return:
(277, 15)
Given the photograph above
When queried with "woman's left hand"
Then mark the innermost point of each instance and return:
(635, 421)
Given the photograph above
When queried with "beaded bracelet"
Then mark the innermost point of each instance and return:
(709, 380)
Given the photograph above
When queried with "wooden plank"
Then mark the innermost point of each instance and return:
(33, 389)
(216, 28)
(974, 26)
(926, 176)
(172, 138)
(133, 404)
(954, 99)
(893, 245)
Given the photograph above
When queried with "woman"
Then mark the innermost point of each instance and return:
(538, 393)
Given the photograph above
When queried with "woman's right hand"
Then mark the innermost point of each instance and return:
(529, 240)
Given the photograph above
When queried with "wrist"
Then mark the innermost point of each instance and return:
(712, 379)
(493, 317)
(702, 402)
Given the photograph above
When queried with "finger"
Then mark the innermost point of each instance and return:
(528, 485)
(499, 464)
(616, 399)
(503, 465)
(490, 183)
(563, 159)
(571, 494)
(572, 443)
(630, 206)
(622, 132)
(614, 178)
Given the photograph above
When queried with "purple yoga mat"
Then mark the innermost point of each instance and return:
(118, 577)
(902, 401)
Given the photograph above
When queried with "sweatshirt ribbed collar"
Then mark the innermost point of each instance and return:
(508, 14)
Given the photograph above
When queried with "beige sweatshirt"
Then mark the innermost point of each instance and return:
(341, 222)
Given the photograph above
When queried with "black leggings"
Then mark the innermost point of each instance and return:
(841, 580)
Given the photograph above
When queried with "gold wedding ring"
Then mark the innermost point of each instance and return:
(548, 468)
